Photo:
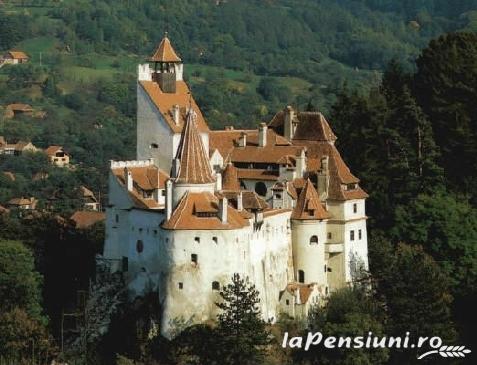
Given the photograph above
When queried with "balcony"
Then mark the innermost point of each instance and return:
(334, 247)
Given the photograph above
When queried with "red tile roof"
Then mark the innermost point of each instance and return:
(145, 178)
(186, 217)
(308, 205)
(50, 151)
(311, 126)
(305, 290)
(18, 55)
(226, 140)
(86, 219)
(257, 174)
(165, 102)
(165, 52)
(194, 161)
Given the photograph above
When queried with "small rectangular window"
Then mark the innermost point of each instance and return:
(355, 208)
(326, 269)
(117, 218)
(181, 286)
(215, 239)
(351, 235)
(288, 302)
(197, 239)
(125, 264)
(194, 258)
(330, 235)
(360, 234)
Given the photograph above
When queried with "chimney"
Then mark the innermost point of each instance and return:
(240, 201)
(218, 181)
(288, 127)
(176, 163)
(262, 135)
(223, 209)
(176, 114)
(297, 296)
(301, 164)
(157, 193)
(168, 199)
(242, 140)
(128, 179)
(324, 178)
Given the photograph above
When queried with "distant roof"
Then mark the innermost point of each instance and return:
(308, 205)
(18, 55)
(165, 52)
(311, 126)
(86, 219)
(194, 161)
(22, 201)
(50, 151)
(305, 290)
(166, 101)
(20, 107)
(187, 214)
(9, 175)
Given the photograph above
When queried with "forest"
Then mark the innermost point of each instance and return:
(397, 81)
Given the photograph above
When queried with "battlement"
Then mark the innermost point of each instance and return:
(144, 72)
(133, 163)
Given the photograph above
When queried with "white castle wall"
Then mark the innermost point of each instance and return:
(153, 129)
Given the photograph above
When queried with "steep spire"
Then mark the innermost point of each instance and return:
(308, 205)
(194, 165)
(165, 52)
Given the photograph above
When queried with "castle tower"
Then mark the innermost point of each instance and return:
(167, 66)
(309, 237)
(191, 169)
(163, 102)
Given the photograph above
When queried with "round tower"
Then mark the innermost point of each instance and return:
(309, 231)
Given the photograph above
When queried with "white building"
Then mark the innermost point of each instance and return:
(277, 205)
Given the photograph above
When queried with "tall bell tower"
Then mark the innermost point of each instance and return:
(167, 66)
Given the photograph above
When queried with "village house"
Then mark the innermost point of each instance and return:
(23, 203)
(57, 156)
(276, 204)
(9, 175)
(18, 109)
(16, 149)
(86, 219)
(14, 57)
(297, 299)
(89, 199)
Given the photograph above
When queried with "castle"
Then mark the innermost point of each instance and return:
(276, 204)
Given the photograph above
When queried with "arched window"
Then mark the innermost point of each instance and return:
(314, 240)
(215, 285)
(301, 276)
(261, 188)
(139, 246)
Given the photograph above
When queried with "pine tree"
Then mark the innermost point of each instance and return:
(241, 328)
(415, 291)
(445, 85)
